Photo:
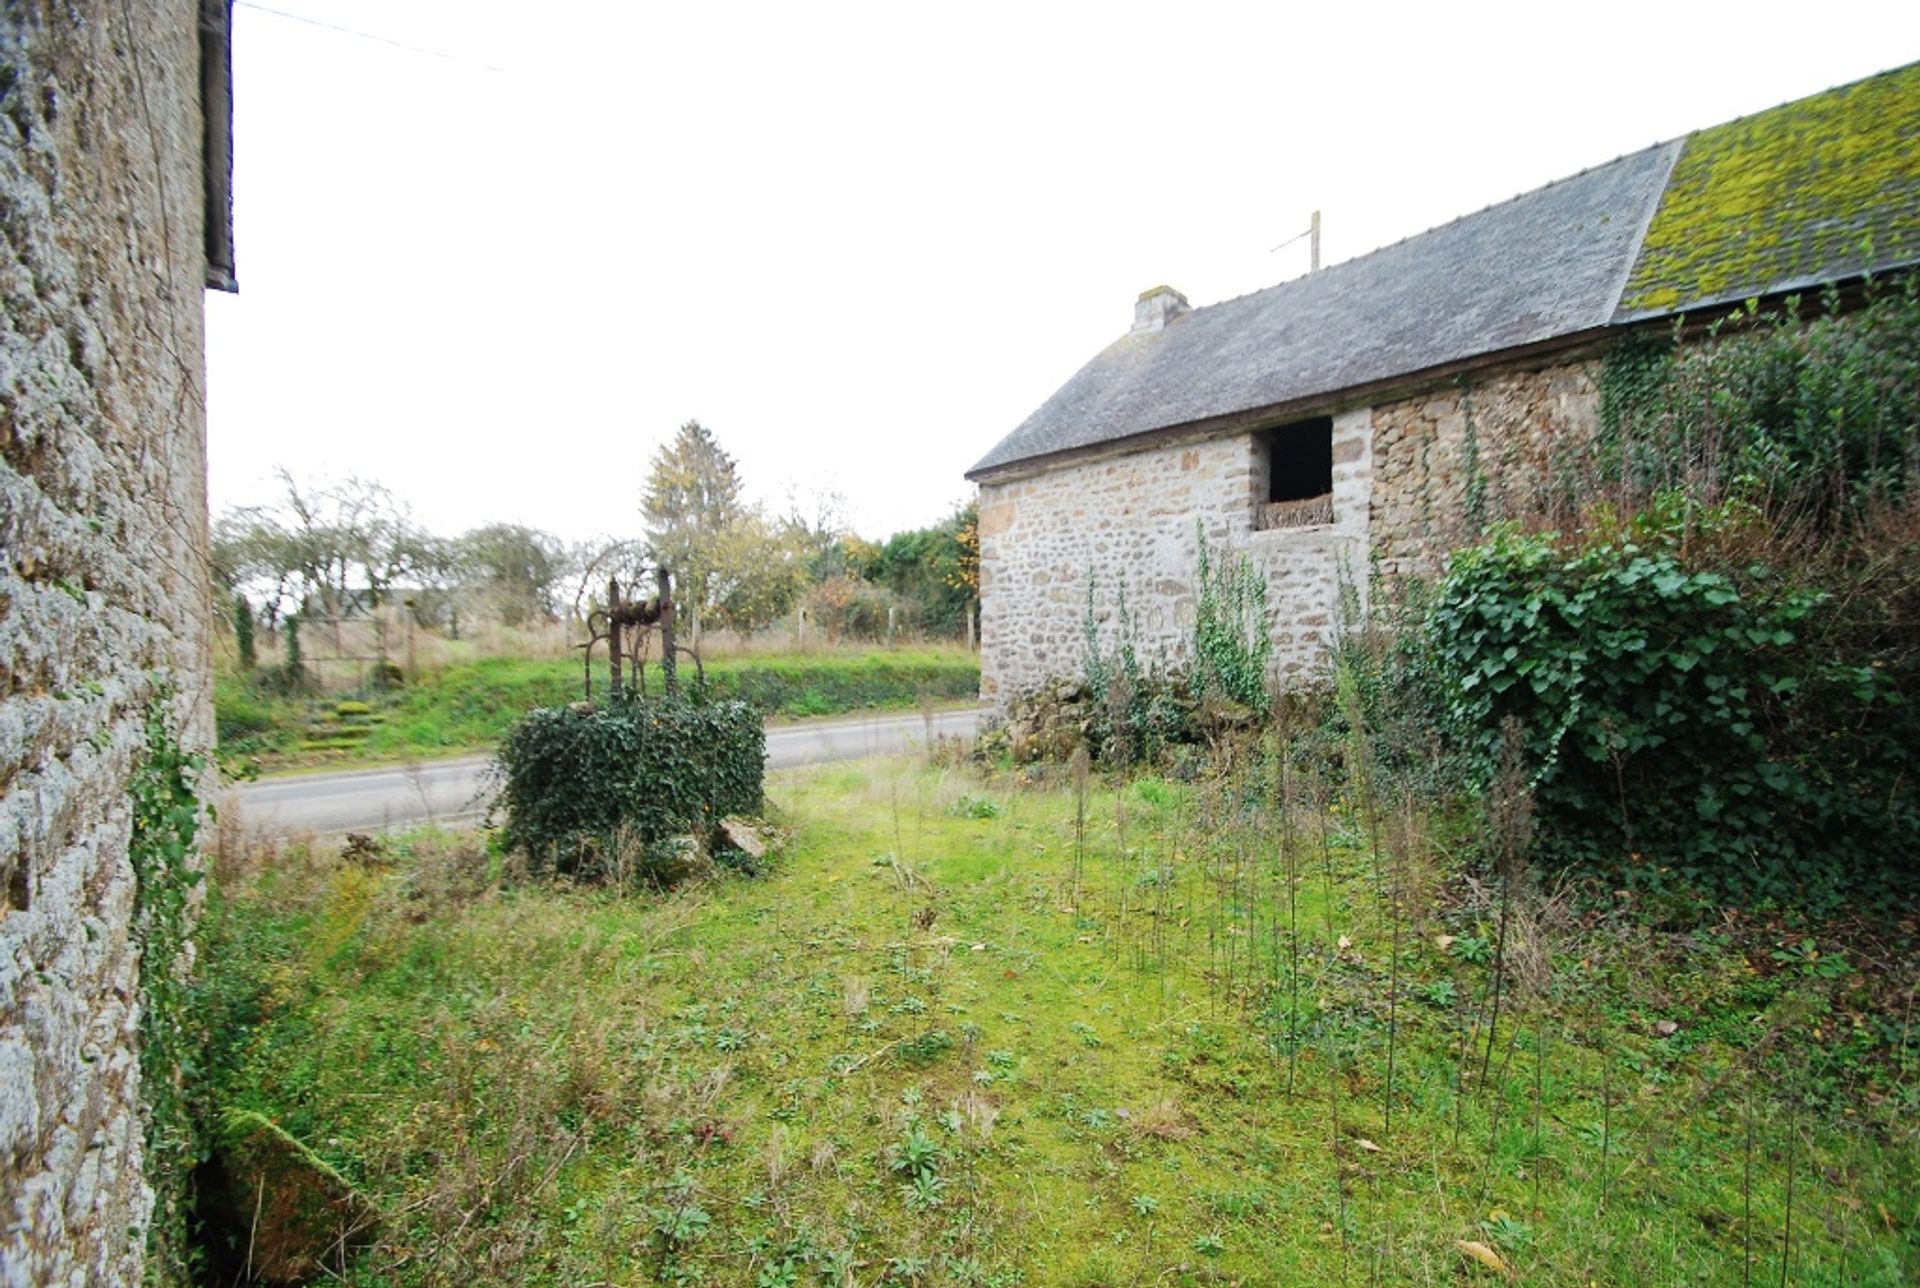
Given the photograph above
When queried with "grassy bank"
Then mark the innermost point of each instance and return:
(472, 704)
(979, 1031)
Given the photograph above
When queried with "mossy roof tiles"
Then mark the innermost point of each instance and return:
(1819, 190)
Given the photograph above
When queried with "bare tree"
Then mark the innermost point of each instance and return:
(335, 545)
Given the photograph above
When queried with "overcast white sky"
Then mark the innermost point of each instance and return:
(860, 243)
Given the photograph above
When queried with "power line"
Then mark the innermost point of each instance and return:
(1304, 232)
(366, 35)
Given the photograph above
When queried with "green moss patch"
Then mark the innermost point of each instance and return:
(1815, 190)
(299, 1217)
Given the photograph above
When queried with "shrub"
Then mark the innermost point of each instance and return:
(1717, 675)
(1817, 417)
(581, 783)
(847, 608)
(240, 710)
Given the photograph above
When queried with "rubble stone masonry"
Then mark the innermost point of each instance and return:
(103, 588)
(1451, 460)
(1137, 516)
(1411, 478)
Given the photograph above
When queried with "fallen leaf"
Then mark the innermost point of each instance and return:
(1445, 942)
(1665, 1029)
(1483, 1254)
(1345, 943)
(1367, 1145)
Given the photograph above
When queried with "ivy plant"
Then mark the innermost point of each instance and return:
(576, 781)
(162, 850)
(1685, 728)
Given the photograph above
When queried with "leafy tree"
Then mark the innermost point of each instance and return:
(759, 569)
(518, 569)
(690, 506)
(731, 563)
(935, 570)
(965, 573)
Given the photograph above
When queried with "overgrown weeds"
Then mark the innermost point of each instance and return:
(540, 1083)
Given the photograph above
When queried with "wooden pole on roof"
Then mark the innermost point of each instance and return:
(1314, 243)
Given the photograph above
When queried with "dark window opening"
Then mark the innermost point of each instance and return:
(19, 891)
(1298, 488)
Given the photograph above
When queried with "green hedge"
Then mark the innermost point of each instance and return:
(582, 782)
(476, 703)
(806, 686)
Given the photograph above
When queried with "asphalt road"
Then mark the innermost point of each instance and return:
(449, 791)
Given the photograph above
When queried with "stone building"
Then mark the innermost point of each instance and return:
(1357, 417)
(113, 216)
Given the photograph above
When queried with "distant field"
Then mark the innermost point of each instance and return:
(472, 704)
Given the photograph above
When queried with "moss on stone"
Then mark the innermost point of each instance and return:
(298, 1213)
(1814, 190)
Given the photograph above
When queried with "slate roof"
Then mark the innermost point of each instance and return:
(1561, 260)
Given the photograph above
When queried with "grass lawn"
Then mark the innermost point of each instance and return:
(953, 1038)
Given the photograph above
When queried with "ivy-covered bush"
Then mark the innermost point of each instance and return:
(1811, 409)
(1693, 724)
(579, 783)
(1718, 668)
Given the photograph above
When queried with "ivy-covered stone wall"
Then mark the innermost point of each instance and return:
(103, 612)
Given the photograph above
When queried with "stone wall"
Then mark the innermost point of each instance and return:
(1135, 516)
(103, 608)
(1447, 462)
(1413, 478)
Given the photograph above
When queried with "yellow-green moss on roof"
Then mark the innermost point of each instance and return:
(1813, 191)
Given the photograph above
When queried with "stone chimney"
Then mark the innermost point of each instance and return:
(1157, 307)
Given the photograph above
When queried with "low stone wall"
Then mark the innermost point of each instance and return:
(1136, 516)
(103, 609)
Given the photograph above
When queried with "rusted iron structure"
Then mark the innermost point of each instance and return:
(627, 628)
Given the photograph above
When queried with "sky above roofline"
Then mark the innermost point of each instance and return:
(495, 264)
